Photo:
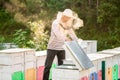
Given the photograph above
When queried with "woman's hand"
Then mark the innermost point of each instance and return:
(68, 39)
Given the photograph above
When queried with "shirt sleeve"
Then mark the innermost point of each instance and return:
(56, 31)
(72, 34)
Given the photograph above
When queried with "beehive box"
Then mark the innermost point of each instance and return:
(30, 70)
(30, 55)
(68, 62)
(40, 58)
(115, 53)
(73, 73)
(16, 56)
(117, 48)
(12, 72)
(11, 56)
(115, 62)
(40, 71)
(107, 61)
(96, 71)
(12, 60)
(98, 58)
(89, 46)
(40, 61)
(65, 74)
(94, 58)
(30, 74)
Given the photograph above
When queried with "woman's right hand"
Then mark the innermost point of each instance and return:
(68, 39)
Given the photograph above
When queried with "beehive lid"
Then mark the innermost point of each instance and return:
(78, 55)
(117, 48)
(110, 51)
(15, 50)
(41, 53)
(94, 56)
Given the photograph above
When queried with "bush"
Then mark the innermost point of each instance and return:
(22, 39)
(39, 35)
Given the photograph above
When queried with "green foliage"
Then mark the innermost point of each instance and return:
(8, 23)
(37, 6)
(22, 39)
(108, 41)
(55, 5)
(101, 21)
(39, 35)
(105, 40)
(4, 17)
(35, 37)
(107, 12)
(2, 39)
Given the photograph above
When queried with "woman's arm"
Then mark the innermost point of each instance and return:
(72, 34)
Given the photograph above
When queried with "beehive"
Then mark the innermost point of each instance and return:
(15, 62)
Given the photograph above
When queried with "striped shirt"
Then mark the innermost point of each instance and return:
(58, 37)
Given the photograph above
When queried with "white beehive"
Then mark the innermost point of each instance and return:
(89, 46)
(40, 58)
(111, 62)
(68, 62)
(6, 72)
(11, 56)
(30, 55)
(117, 48)
(94, 59)
(65, 74)
(111, 58)
(30, 65)
(115, 54)
(15, 62)
(115, 58)
(75, 74)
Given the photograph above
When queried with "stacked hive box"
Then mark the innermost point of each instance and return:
(89, 46)
(117, 48)
(72, 73)
(98, 68)
(30, 65)
(14, 64)
(11, 64)
(107, 61)
(114, 69)
(40, 61)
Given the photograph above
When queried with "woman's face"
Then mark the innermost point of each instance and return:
(65, 18)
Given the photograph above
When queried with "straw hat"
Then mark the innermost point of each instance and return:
(66, 13)
(69, 14)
